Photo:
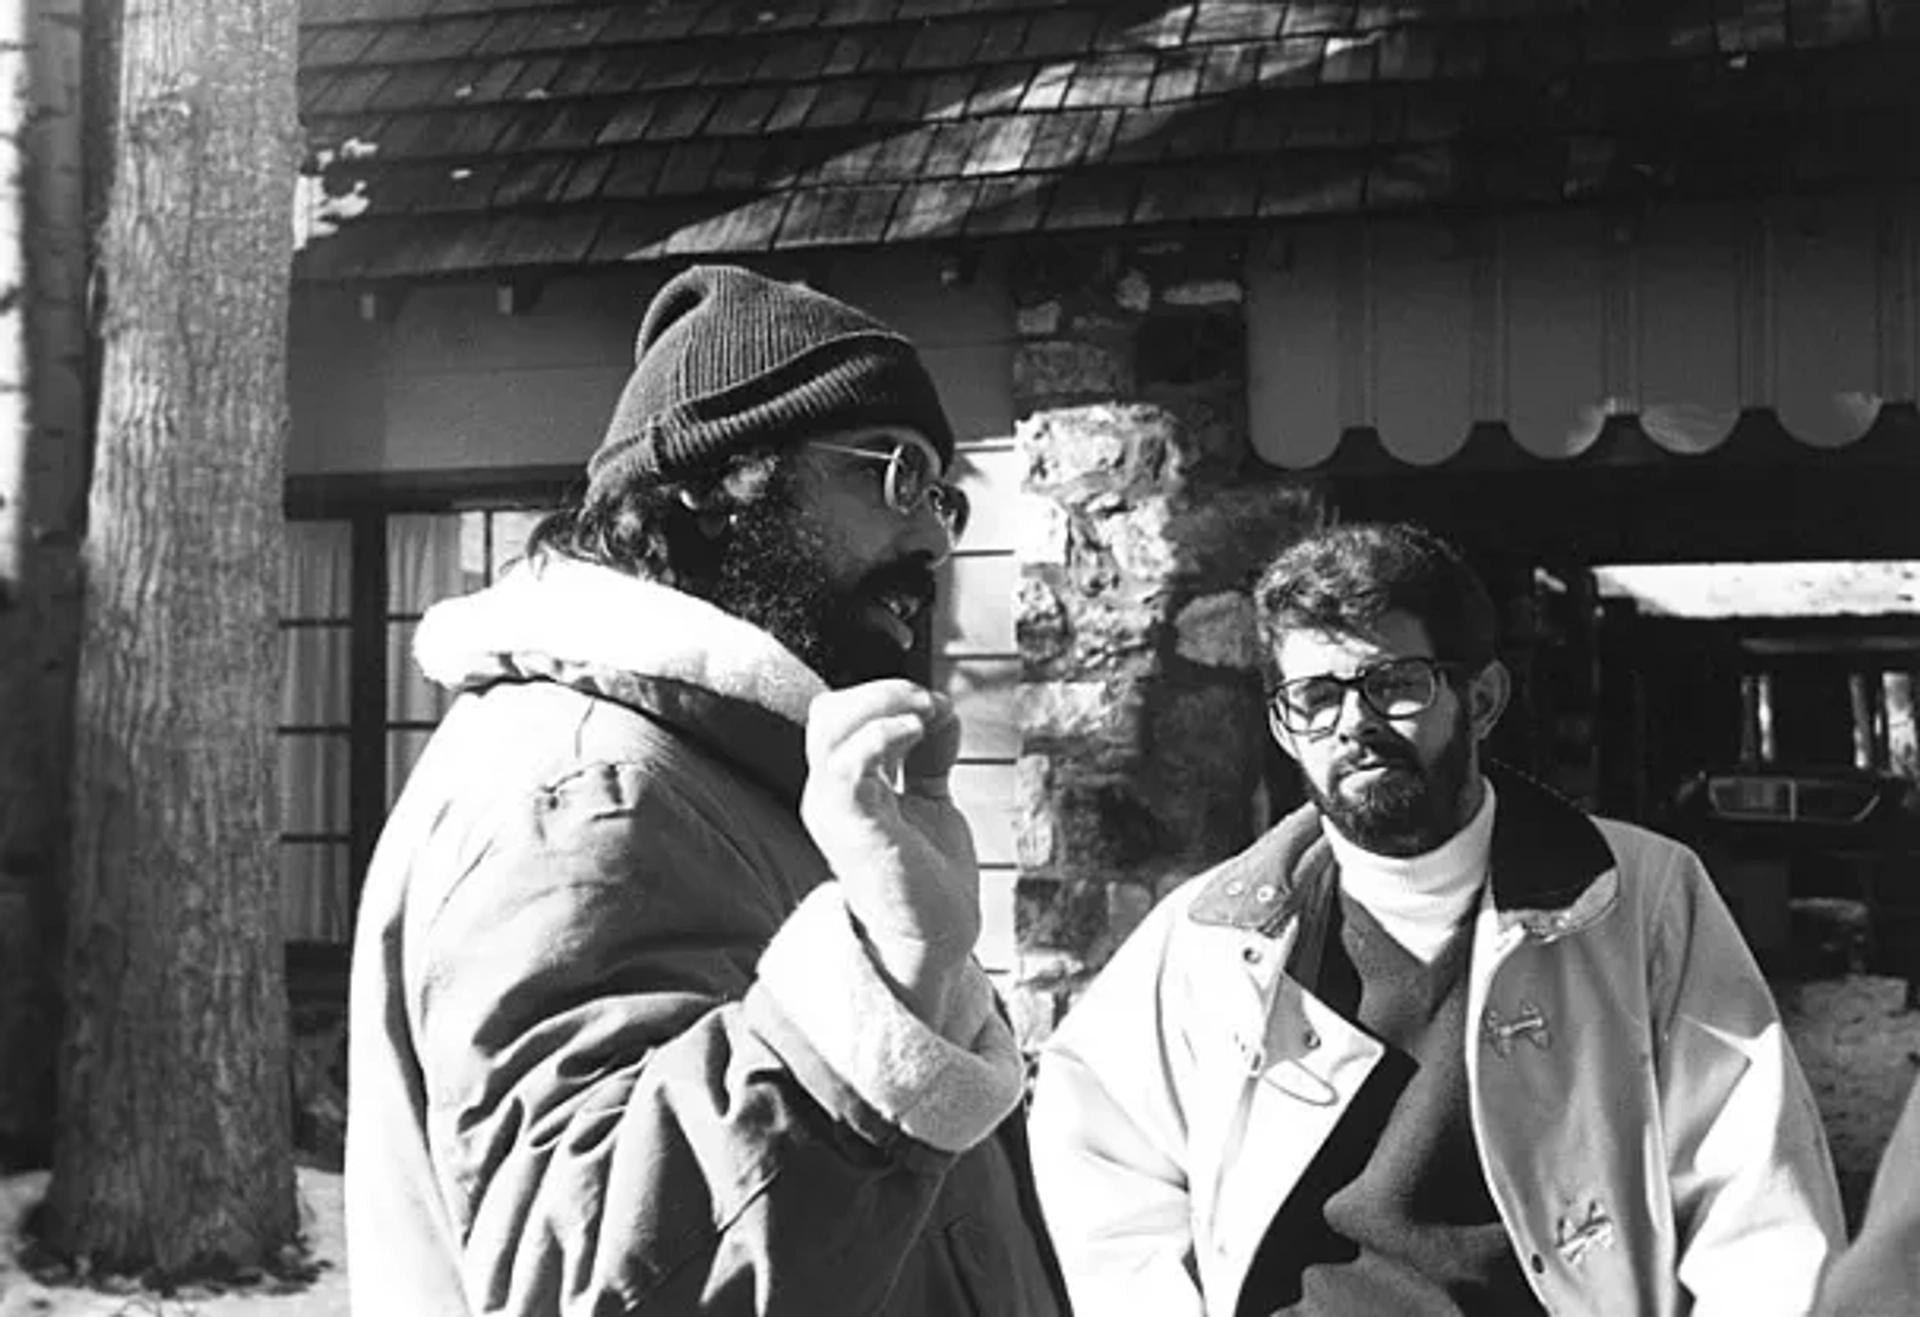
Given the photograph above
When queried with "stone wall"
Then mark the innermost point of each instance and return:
(1144, 754)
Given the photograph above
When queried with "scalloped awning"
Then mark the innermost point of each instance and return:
(1607, 337)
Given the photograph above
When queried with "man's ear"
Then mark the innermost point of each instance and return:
(1487, 694)
(1281, 736)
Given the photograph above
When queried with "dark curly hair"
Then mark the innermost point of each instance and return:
(1345, 579)
(665, 531)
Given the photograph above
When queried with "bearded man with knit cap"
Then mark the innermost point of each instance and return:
(1439, 1043)
(663, 996)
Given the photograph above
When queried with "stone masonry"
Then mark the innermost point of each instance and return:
(1144, 755)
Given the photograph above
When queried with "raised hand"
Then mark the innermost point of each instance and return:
(878, 807)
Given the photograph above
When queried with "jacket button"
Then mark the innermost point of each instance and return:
(1539, 1264)
(1250, 954)
(1263, 893)
(1311, 1038)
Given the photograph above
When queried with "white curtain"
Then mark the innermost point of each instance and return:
(425, 564)
(316, 670)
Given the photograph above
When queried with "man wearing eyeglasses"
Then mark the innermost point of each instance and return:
(663, 992)
(1437, 1043)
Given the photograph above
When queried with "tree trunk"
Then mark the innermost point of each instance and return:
(172, 1153)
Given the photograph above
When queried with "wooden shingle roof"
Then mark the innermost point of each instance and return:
(464, 136)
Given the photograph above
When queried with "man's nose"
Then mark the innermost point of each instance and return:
(1356, 714)
(929, 532)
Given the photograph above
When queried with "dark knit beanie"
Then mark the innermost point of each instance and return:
(727, 359)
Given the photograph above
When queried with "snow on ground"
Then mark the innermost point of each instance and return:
(326, 1296)
(1861, 1053)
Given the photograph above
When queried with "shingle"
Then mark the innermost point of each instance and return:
(932, 210)
(1259, 127)
(902, 155)
(749, 227)
(526, 241)
(837, 217)
(622, 71)
(680, 114)
(1230, 69)
(1311, 183)
(1111, 80)
(1354, 60)
(1325, 17)
(582, 70)
(920, 10)
(794, 106)
(850, 161)
(943, 45)
(562, 126)
(1142, 135)
(1053, 36)
(883, 50)
(530, 180)
(1371, 15)
(1219, 193)
(633, 174)
(1002, 145)
(511, 34)
(794, 59)
(585, 177)
(845, 56)
(1048, 88)
(1176, 79)
(746, 164)
(1291, 62)
(445, 39)
(688, 168)
(1091, 201)
(1331, 117)
(568, 29)
(1199, 130)
(730, 63)
(415, 86)
(1236, 20)
(947, 153)
(648, 23)
(841, 103)
(949, 94)
(1002, 39)
(1166, 29)
(1432, 112)
(1006, 206)
(1000, 90)
(447, 132)
(1463, 52)
(629, 122)
(320, 47)
(535, 79)
(346, 93)
(1066, 141)
(743, 111)
(841, 12)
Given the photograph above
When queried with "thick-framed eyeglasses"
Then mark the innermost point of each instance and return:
(911, 478)
(1398, 688)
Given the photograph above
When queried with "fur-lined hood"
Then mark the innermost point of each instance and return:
(644, 645)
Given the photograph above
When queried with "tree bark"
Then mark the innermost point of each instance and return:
(172, 1153)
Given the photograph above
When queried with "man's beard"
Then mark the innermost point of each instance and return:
(1409, 810)
(773, 575)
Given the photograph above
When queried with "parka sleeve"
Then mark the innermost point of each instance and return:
(631, 1109)
(1756, 1206)
(1109, 1143)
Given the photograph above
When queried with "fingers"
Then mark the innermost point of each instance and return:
(879, 728)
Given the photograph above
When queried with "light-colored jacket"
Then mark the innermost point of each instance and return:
(616, 1045)
(1643, 1127)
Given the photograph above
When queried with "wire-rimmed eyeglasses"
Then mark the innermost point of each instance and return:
(912, 477)
(1397, 688)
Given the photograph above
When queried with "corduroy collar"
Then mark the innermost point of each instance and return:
(1545, 853)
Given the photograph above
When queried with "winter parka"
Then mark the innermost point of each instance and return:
(1643, 1127)
(615, 1044)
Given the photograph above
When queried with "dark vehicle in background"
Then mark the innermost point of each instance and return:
(1811, 853)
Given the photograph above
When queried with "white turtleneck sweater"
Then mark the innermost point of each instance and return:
(1421, 899)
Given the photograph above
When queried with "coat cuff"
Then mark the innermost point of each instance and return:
(946, 1090)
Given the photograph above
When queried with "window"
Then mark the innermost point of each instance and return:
(355, 712)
